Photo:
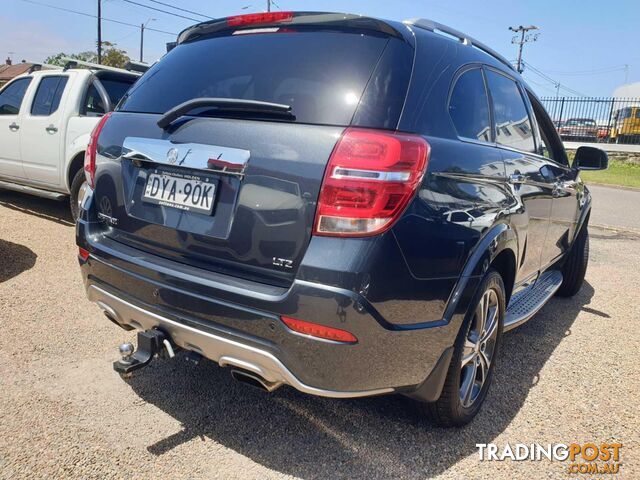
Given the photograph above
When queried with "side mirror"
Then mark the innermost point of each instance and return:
(590, 158)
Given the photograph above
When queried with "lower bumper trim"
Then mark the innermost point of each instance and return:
(224, 351)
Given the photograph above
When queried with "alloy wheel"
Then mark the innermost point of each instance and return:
(479, 347)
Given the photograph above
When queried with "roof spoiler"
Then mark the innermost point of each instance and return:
(282, 19)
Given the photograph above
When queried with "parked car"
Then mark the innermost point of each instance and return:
(288, 211)
(46, 117)
(626, 125)
(604, 132)
(576, 129)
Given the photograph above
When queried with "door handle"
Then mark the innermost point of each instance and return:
(517, 179)
(558, 188)
(51, 129)
(14, 127)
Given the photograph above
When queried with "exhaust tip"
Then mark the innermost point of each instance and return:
(254, 380)
(112, 315)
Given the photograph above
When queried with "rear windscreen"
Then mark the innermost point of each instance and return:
(321, 74)
(115, 89)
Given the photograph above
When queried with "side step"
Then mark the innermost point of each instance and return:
(526, 303)
(16, 187)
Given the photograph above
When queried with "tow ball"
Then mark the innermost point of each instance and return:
(150, 343)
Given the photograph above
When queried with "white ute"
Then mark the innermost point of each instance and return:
(46, 117)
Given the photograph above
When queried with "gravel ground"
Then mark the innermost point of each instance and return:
(569, 375)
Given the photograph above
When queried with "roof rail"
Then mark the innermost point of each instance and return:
(39, 66)
(140, 67)
(72, 63)
(463, 38)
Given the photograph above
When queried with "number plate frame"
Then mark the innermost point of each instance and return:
(180, 178)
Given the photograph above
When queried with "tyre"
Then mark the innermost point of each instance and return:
(473, 361)
(76, 185)
(575, 266)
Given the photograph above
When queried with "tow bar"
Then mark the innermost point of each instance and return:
(150, 343)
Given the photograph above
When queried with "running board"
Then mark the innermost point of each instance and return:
(16, 187)
(526, 303)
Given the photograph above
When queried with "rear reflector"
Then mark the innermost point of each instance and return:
(259, 18)
(84, 254)
(319, 331)
(370, 179)
(92, 150)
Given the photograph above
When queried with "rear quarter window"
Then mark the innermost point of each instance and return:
(469, 106)
(322, 75)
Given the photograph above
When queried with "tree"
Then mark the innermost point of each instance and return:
(57, 59)
(114, 57)
(111, 56)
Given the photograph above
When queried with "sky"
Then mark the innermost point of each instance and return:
(583, 45)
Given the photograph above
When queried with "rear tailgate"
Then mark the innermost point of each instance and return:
(235, 193)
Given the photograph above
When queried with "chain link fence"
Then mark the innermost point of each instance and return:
(595, 119)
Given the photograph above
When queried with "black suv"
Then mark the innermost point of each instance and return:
(342, 204)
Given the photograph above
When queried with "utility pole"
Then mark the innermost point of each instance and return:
(142, 27)
(626, 73)
(268, 5)
(524, 38)
(141, 40)
(99, 31)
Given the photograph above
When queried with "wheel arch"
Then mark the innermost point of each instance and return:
(496, 248)
(76, 163)
(505, 265)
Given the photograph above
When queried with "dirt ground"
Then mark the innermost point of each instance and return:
(569, 375)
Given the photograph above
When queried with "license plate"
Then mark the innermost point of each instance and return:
(191, 193)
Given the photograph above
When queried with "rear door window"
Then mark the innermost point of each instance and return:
(48, 95)
(321, 75)
(469, 106)
(11, 97)
(512, 122)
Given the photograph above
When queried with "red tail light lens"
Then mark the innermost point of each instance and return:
(371, 177)
(92, 150)
(83, 253)
(259, 18)
(319, 331)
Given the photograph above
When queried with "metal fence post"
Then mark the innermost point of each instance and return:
(561, 109)
(613, 102)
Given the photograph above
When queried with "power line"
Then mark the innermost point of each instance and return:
(55, 7)
(182, 9)
(596, 71)
(162, 11)
(556, 83)
(543, 86)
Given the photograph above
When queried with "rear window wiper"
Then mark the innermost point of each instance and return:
(225, 105)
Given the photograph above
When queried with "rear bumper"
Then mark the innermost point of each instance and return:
(237, 323)
(225, 351)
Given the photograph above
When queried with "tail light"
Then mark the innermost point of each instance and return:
(83, 253)
(259, 18)
(319, 331)
(371, 177)
(92, 150)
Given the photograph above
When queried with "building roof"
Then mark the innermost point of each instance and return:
(8, 72)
